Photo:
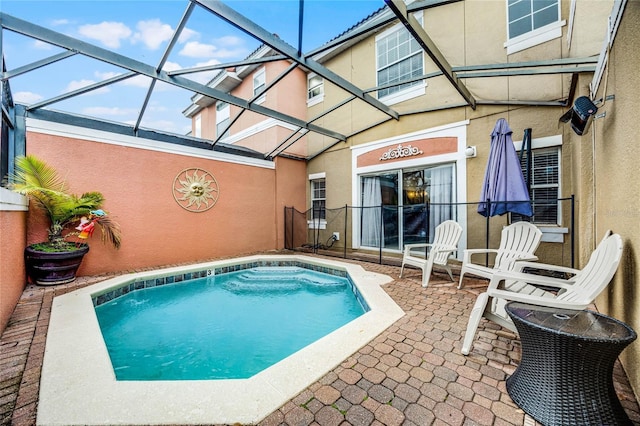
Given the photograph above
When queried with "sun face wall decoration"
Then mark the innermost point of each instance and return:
(195, 190)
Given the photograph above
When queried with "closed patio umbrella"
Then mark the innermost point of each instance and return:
(503, 189)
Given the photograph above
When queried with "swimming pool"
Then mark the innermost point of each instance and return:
(78, 385)
(224, 326)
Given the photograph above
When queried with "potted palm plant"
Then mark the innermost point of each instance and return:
(72, 219)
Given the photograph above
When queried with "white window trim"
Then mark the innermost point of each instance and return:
(457, 129)
(535, 37)
(198, 126)
(260, 73)
(405, 95)
(12, 201)
(318, 98)
(409, 92)
(549, 142)
(222, 115)
(317, 223)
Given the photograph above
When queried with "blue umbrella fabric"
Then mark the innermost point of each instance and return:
(504, 188)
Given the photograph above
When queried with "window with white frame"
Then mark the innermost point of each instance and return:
(197, 126)
(399, 57)
(545, 187)
(318, 199)
(315, 89)
(222, 119)
(531, 22)
(259, 83)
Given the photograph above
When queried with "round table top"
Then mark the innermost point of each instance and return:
(584, 323)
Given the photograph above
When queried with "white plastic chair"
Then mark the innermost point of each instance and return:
(445, 242)
(518, 241)
(576, 292)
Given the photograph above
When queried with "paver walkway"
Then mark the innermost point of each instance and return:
(411, 374)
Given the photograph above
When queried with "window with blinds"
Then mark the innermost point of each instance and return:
(318, 198)
(545, 187)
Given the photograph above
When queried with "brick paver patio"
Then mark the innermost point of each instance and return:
(411, 374)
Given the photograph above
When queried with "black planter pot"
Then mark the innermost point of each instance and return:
(52, 268)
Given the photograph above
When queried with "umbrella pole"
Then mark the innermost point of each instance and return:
(486, 255)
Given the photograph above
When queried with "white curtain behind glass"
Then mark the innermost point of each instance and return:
(440, 191)
(372, 235)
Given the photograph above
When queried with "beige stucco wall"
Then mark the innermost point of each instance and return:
(616, 199)
(12, 274)
(467, 39)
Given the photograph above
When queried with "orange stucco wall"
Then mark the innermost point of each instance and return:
(288, 97)
(137, 185)
(12, 273)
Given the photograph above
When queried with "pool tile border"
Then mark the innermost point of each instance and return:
(145, 283)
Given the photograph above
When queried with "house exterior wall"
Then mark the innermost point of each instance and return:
(611, 145)
(12, 243)
(258, 132)
(467, 39)
(137, 183)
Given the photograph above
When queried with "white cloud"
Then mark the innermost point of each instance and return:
(108, 33)
(106, 75)
(171, 66)
(152, 33)
(58, 22)
(79, 84)
(41, 45)
(195, 49)
(227, 47)
(26, 97)
(205, 76)
(230, 41)
(138, 81)
(186, 35)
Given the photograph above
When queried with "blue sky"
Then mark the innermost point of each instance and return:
(141, 30)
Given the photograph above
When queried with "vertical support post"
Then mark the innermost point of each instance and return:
(380, 234)
(486, 256)
(344, 238)
(573, 235)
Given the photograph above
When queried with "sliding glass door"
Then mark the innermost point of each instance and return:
(404, 206)
(379, 225)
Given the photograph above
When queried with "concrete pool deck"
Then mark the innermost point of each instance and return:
(411, 373)
(77, 371)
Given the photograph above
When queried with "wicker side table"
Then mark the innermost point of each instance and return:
(565, 376)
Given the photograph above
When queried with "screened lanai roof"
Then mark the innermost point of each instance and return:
(151, 77)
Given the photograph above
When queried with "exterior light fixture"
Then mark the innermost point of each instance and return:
(580, 115)
(470, 152)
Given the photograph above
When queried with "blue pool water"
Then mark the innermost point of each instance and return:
(228, 326)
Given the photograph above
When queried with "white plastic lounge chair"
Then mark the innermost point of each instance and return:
(445, 242)
(518, 241)
(576, 292)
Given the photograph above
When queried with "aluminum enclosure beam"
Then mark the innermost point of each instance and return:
(420, 35)
(234, 18)
(95, 52)
(227, 65)
(37, 64)
(163, 60)
(373, 25)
